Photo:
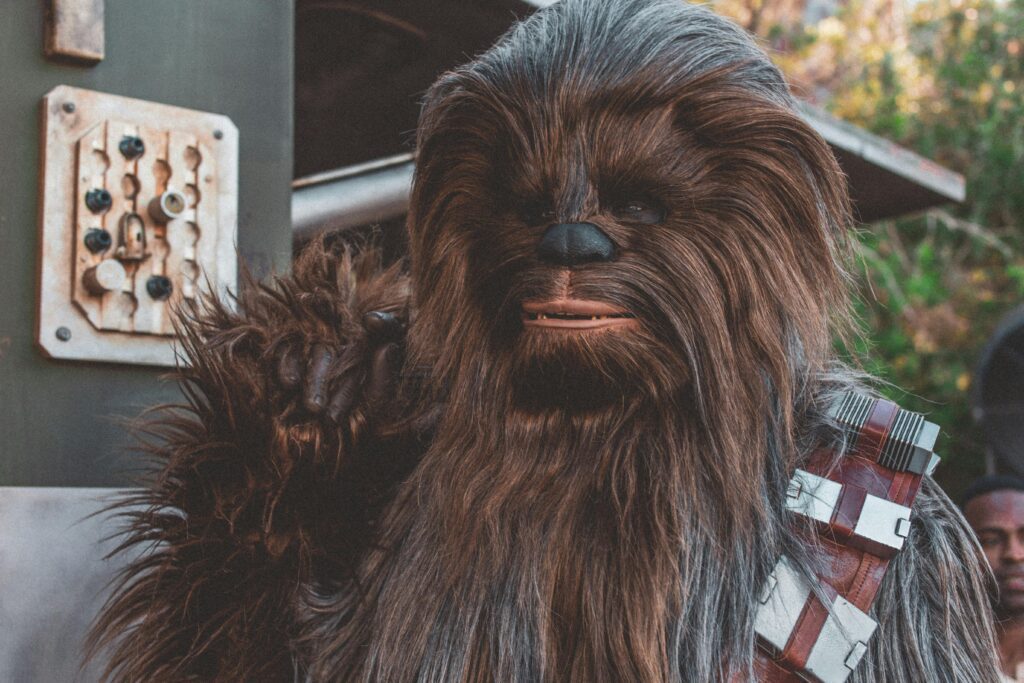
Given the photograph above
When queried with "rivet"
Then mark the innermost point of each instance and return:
(69, 108)
(159, 287)
(63, 334)
(218, 134)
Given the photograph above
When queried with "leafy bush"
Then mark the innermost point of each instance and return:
(946, 79)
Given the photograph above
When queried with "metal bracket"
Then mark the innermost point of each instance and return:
(139, 217)
(782, 601)
(880, 520)
(842, 641)
(884, 522)
(909, 444)
(813, 496)
(74, 30)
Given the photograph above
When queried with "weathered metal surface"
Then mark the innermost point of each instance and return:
(351, 197)
(74, 30)
(54, 576)
(886, 180)
(172, 216)
(60, 420)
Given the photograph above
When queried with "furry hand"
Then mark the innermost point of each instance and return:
(333, 380)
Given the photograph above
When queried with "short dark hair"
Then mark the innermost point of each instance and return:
(989, 484)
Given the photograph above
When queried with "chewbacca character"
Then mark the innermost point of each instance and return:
(614, 345)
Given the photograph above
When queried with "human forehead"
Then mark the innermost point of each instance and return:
(996, 509)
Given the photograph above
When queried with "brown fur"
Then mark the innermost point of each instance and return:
(599, 507)
(252, 499)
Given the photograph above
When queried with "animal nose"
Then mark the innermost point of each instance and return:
(567, 244)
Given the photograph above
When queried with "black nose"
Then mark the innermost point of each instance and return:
(567, 244)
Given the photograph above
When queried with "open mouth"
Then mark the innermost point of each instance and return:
(574, 314)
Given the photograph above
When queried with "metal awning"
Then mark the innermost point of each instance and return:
(886, 181)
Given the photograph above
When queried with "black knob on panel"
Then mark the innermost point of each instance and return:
(132, 147)
(159, 287)
(97, 240)
(98, 200)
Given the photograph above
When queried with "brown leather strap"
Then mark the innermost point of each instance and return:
(856, 566)
(768, 670)
(848, 509)
(805, 634)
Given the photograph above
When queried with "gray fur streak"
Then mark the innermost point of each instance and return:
(928, 621)
(605, 43)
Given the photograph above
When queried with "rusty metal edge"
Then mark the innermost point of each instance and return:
(885, 154)
(54, 279)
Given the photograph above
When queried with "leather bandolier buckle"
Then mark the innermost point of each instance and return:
(861, 506)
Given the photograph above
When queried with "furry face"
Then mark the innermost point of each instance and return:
(672, 137)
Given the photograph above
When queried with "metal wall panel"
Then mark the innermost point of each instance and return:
(58, 421)
(54, 576)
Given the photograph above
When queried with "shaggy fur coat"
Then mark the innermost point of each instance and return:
(522, 504)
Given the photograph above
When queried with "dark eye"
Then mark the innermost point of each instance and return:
(537, 214)
(989, 539)
(640, 211)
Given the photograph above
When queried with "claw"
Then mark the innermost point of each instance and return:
(320, 362)
(344, 397)
(383, 369)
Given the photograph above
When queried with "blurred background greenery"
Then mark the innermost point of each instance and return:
(946, 79)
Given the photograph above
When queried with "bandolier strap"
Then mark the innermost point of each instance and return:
(861, 504)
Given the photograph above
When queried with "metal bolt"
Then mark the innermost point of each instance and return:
(69, 108)
(218, 134)
(167, 206)
(97, 240)
(98, 200)
(63, 334)
(131, 146)
(159, 287)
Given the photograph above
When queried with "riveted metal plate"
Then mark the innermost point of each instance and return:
(159, 183)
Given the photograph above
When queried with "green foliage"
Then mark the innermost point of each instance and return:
(945, 78)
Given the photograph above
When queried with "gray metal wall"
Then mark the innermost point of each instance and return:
(58, 421)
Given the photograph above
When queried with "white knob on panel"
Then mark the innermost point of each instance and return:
(108, 276)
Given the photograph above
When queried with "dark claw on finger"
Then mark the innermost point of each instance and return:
(344, 397)
(383, 326)
(383, 368)
(320, 362)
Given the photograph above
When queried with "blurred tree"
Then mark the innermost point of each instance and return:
(945, 78)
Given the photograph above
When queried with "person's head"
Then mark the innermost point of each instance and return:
(994, 507)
